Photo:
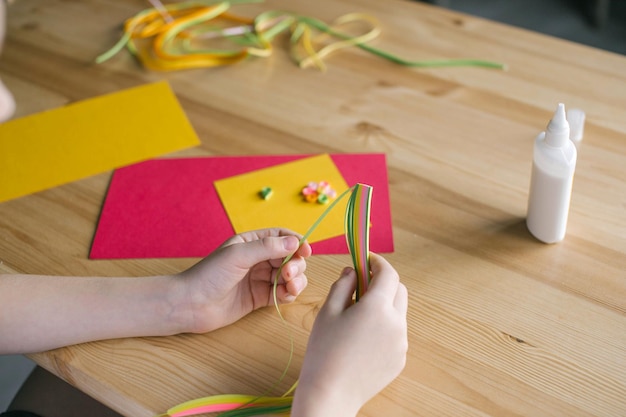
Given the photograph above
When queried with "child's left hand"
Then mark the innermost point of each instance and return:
(238, 277)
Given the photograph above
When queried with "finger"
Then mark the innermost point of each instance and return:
(385, 279)
(292, 275)
(304, 250)
(269, 232)
(259, 234)
(340, 295)
(296, 266)
(288, 290)
(282, 295)
(296, 285)
(294, 269)
(267, 248)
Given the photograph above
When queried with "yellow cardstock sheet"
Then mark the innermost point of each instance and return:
(247, 211)
(58, 146)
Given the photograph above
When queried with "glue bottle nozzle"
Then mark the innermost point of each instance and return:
(557, 132)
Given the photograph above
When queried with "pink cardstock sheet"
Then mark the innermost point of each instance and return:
(169, 208)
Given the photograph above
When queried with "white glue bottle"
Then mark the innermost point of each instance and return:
(554, 161)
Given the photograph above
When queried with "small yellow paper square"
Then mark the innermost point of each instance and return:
(247, 210)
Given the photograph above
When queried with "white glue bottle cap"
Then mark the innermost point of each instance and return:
(557, 132)
(554, 161)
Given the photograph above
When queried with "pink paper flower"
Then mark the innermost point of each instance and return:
(319, 193)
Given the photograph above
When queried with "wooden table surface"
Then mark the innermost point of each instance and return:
(499, 324)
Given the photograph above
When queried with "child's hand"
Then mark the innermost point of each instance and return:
(238, 277)
(354, 350)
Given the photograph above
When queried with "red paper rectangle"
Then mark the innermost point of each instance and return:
(168, 208)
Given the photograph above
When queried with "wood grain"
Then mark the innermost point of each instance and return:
(499, 324)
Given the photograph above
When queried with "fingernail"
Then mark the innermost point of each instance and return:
(288, 270)
(290, 243)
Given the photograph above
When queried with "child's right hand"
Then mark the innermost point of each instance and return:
(354, 350)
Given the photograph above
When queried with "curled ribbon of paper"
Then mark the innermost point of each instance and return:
(232, 405)
(357, 226)
(168, 37)
(357, 223)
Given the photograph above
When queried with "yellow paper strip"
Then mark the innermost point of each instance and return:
(58, 146)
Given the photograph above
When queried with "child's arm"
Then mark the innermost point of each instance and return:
(43, 312)
(354, 350)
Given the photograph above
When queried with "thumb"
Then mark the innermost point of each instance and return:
(340, 295)
(251, 253)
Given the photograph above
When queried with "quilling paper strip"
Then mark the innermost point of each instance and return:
(175, 37)
(232, 405)
(357, 234)
(357, 223)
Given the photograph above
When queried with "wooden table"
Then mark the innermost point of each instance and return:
(499, 324)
